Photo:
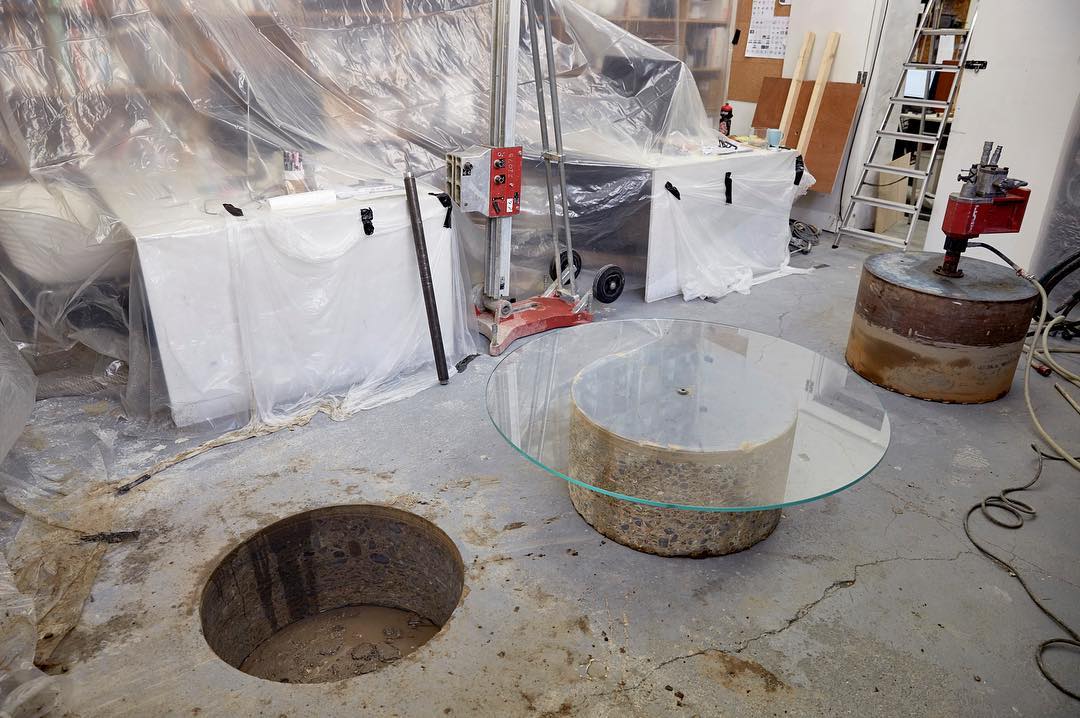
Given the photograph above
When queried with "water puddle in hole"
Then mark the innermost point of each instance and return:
(337, 644)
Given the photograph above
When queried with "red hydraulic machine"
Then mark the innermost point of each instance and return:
(926, 327)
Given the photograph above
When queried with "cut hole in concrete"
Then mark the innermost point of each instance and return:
(331, 593)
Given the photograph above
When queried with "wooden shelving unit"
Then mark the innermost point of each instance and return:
(698, 32)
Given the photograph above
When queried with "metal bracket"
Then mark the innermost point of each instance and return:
(975, 65)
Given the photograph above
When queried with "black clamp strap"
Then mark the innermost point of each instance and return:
(727, 187)
(233, 210)
(367, 217)
(673, 189)
(800, 167)
(444, 200)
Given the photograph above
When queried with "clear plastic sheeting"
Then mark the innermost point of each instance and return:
(277, 314)
(728, 227)
(17, 391)
(126, 124)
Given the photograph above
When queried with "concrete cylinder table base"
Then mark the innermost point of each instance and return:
(672, 532)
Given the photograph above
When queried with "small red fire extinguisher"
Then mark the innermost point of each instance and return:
(726, 113)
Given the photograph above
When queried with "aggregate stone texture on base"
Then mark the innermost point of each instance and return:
(672, 532)
(747, 476)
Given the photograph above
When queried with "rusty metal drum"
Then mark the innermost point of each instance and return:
(955, 340)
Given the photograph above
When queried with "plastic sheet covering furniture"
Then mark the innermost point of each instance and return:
(278, 312)
(69, 285)
(728, 227)
(130, 99)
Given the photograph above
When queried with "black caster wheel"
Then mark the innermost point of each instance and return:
(608, 284)
(577, 265)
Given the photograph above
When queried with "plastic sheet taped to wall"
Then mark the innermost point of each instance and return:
(129, 124)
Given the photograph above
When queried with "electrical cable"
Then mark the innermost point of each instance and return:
(803, 236)
(1019, 512)
(1039, 331)
(1064, 268)
(1001, 255)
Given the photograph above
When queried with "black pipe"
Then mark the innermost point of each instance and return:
(434, 328)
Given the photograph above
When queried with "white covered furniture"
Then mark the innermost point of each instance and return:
(276, 313)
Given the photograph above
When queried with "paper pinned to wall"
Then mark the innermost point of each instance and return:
(768, 32)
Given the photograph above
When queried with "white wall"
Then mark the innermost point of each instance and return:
(1024, 100)
(857, 21)
(858, 24)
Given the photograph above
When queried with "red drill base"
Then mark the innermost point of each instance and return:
(542, 314)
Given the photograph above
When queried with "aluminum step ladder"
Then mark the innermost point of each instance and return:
(894, 118)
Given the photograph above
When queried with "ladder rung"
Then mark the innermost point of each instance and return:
(890, 169)
(944, 31)
(917, 102)
(929, 195)
(872, 236)
(931, 66)
(884, 203)
(910, 137)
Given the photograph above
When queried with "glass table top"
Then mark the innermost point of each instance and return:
(687, 414)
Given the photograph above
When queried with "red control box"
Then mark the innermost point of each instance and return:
(968, 218)
(504, 194)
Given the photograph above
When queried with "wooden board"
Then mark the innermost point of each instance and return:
(747, 73)
(816, 97)
(797, 78)
(895, 189)
(831, 131)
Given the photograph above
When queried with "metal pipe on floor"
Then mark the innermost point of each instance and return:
(434, 328)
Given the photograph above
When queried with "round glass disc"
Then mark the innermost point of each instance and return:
(687, 414)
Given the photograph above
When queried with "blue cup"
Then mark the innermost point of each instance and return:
(773, 137)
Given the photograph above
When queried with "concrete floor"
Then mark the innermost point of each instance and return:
(870, 602)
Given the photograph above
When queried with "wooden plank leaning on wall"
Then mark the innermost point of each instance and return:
(819, 91)
(796, 84)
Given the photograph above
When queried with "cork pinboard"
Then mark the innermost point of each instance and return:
(831, 130)
(746, 74)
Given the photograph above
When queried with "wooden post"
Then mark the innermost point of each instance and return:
(796, 85)
(819, 92)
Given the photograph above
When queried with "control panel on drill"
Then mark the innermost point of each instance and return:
(485, 180)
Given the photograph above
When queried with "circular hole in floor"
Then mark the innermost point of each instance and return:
(332, 593)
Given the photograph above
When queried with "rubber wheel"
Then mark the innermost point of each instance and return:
(577, 266)
(608, 284)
